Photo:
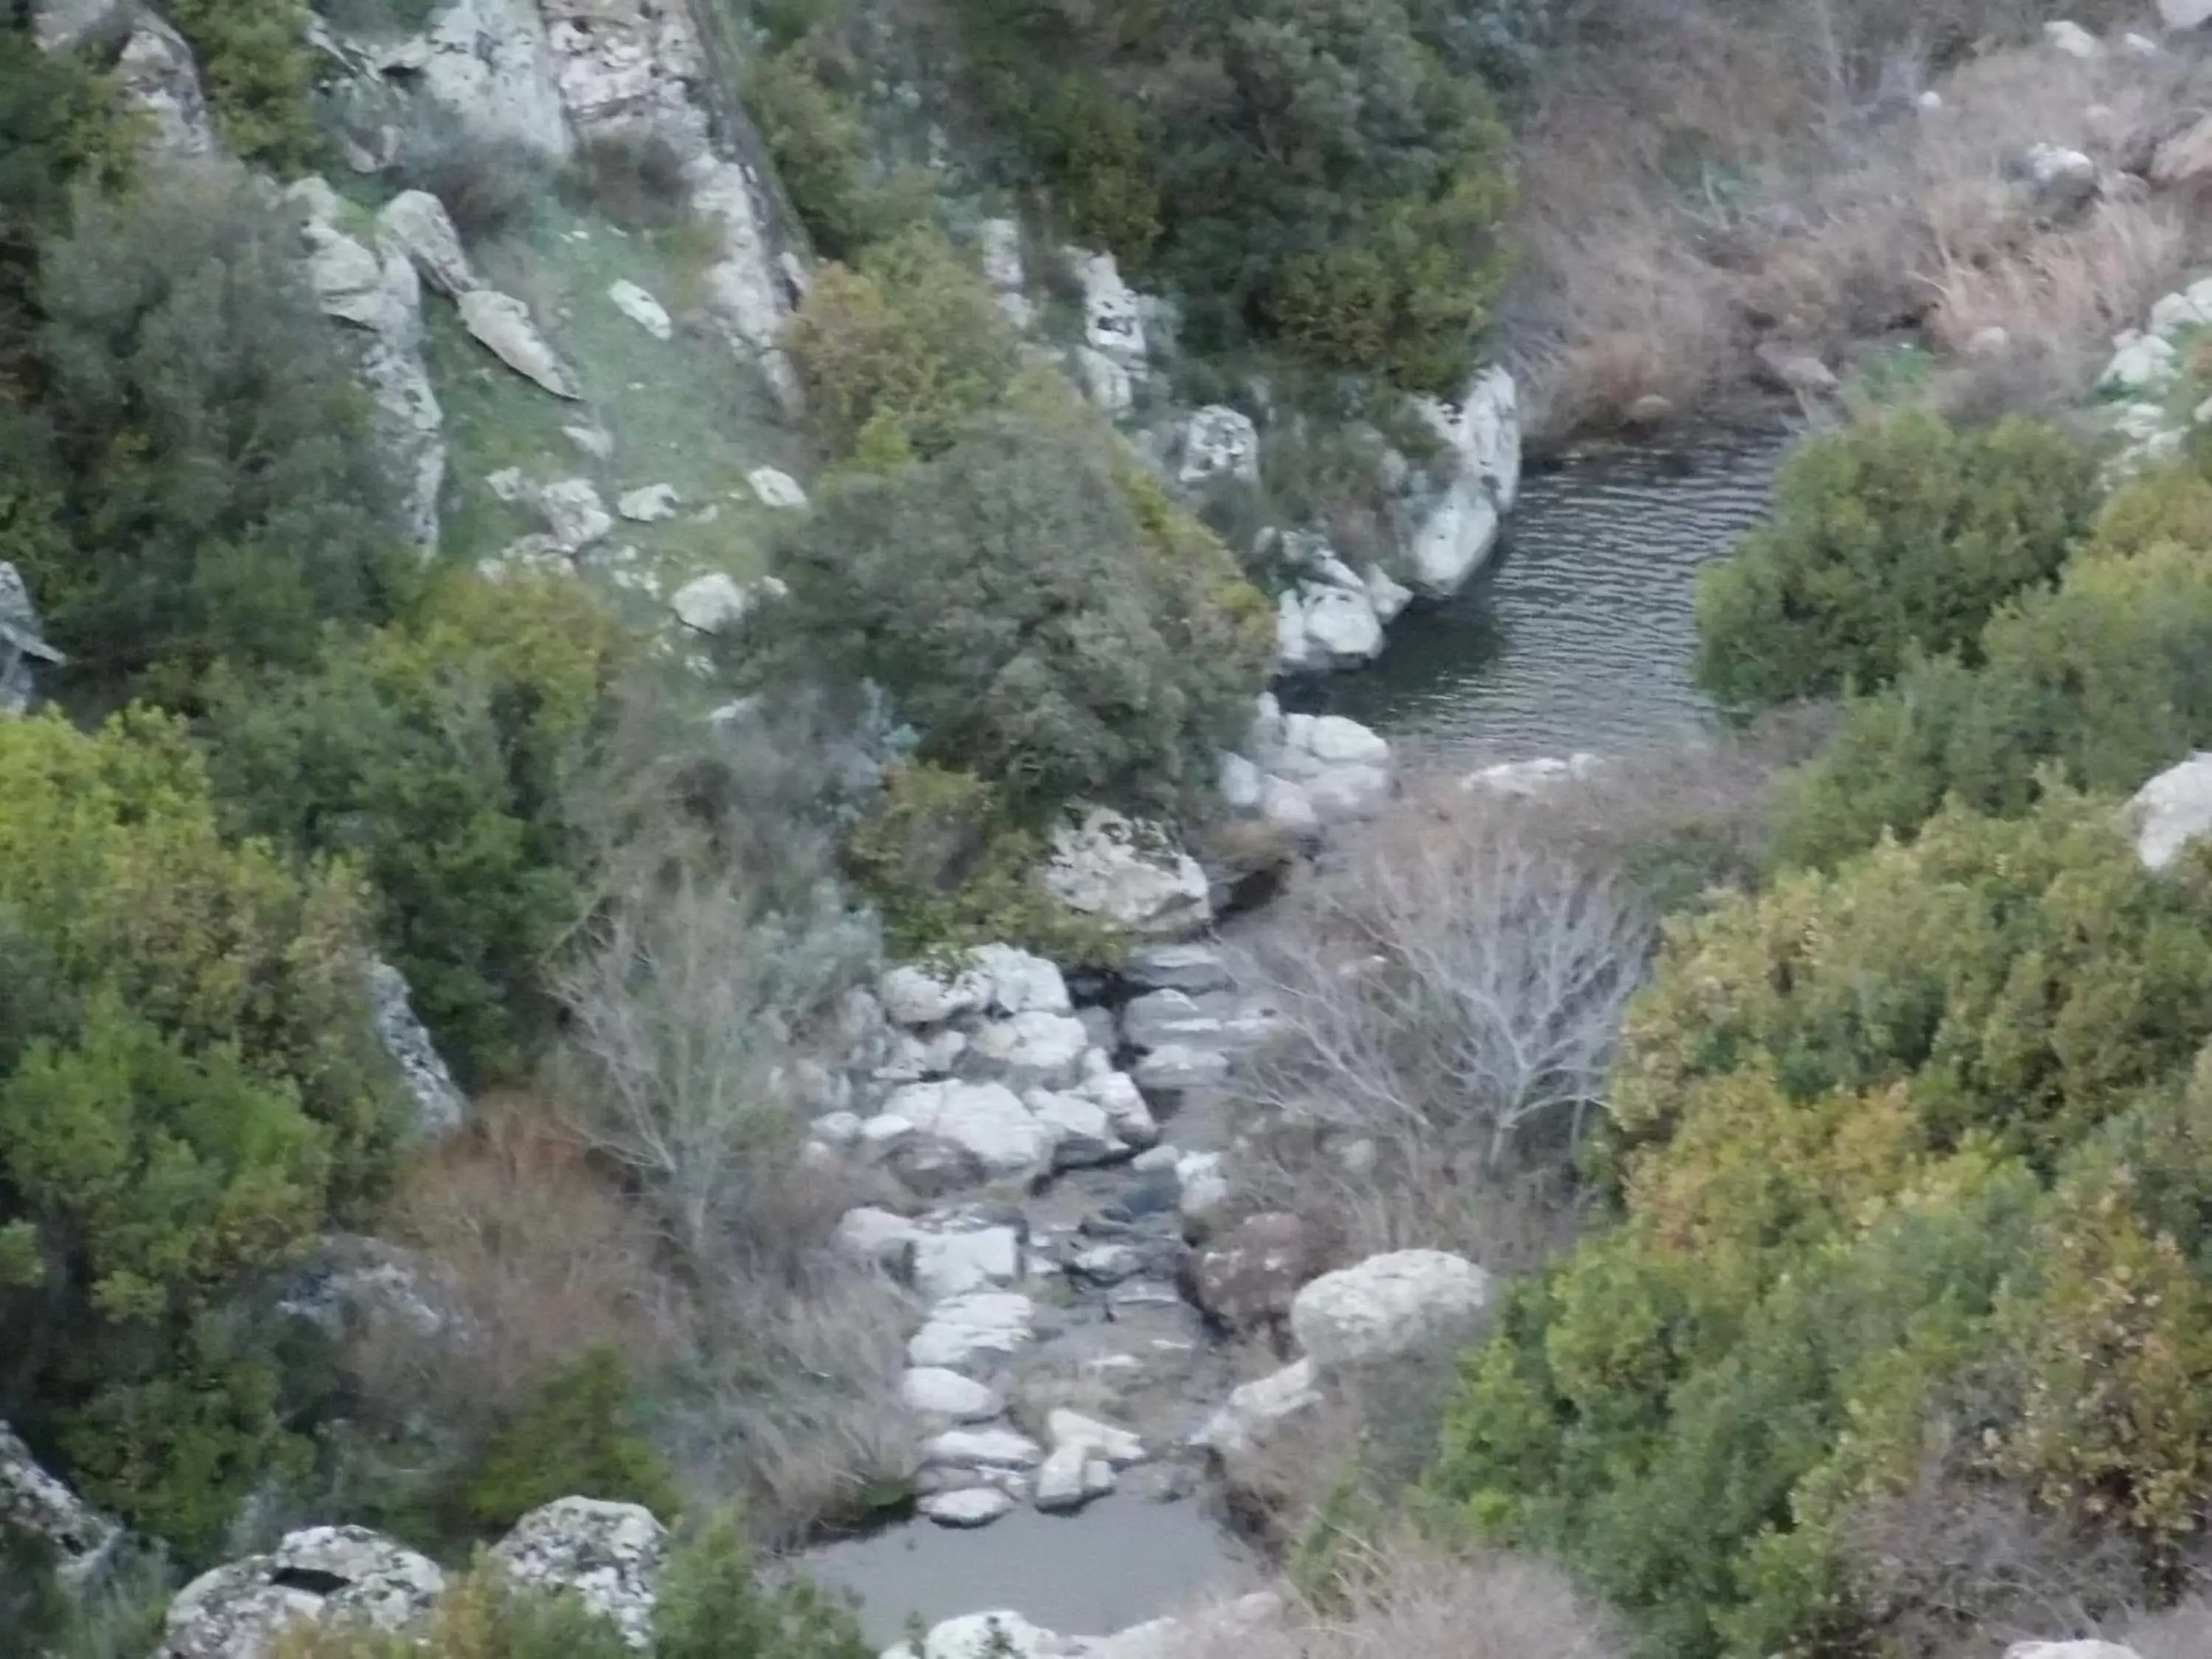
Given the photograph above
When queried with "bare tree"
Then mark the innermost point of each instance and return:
(1452, 981)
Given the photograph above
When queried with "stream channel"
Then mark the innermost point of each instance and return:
(1576, 637)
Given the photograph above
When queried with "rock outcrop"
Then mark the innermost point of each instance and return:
(609, 1555)
(2174, 810)
(1129, 873)
(156, 76)
(1481, 439)
(1388, 1305)
(323, 1575)
(481, 69)
(35, 1503)
(23, 648)
(502, 325)
(439, 1106)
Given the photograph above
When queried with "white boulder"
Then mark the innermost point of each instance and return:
(967, 1506)
(1034, 1050)
(987, 1120)
(641, 308)
(1113, 322)
(416, 223)
(575, 515)
(2173, 810)
(983, 1636)
(1253, 1412)
(1072, 1430)
(1388, 1305)
(933, 1391)
(2184, 14)
(2069, 1650)
(1481, 436)
(323, 1575)
(1128, 872)
(439, 1106)
(609, 1555)
(648, 504)
(1021, 984)
(502, 325)
(966, 1330)
(35, 1502)
(2065, 35)
(952, 1263)
(776, 488)
(1221, 442)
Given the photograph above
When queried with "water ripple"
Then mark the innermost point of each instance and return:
(1578, 636)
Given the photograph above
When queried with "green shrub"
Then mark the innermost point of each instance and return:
(820, 148)
(897, 353)
(208, 476)
(712, 1605)
(438, 752)
(2105, 681)
(1041, 625)
(1910, 1157)
(482, 1616)
(578, 1441)
(1898, 535)
(253, 63)
(188, 1089)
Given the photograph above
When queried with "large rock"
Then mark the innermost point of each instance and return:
(984, 1636)
(966, 1506)
(966, 1331)
(2186, 157)
(933, 1391)
(416, 223)
(717, 602)
(2173, 810)
(641, 308)
(487, 64)
(962, 1259)
(1317, 768)
(1252, 1414)
(985, 1120)
(503, 326)
(626, 68)
(2063, 35)
(1128, 873)
(23, 648)
(746, 295)
(439, 1106)
(1033, 1050)
(2058, 179)
(1388, 1305)
(324, 1574)
(609, 1555)
(33, 1502)
(156, 76)
(1247, 1278)
(1221, 442)
(2184, 14)
(2069, 1650)
(1481, 437)
(58, 25)
(1113, 322)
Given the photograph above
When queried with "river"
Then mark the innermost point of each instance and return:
(1577, 635)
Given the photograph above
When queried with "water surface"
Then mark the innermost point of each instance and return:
(1577, 635)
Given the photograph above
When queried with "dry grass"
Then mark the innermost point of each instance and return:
(1712, 175)
(2183, 1633)
(1399, 1600)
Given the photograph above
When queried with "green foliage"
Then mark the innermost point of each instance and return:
(195, 477)
(578, 1440)
(1311, 171)
(897, 353)
(481, 1616)
(1065, 636)
(188, 1086)
(946, 868)
(1900, 535)
(712, 1606)
(2106, 680)
(438, 752)
(253, 63)
(1916, 1145)
(820, 148)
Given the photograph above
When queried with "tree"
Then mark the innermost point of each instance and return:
(197, 446)
(1899, 535)
(439, 751)
(578, 1439)
(188, 1089)
(1025, 608)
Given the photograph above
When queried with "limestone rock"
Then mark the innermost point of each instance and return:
(745, 292)
(1021, 984)
(913, 995)
(648, 504)
(956, 1262)
(1083, 1135)
(711, 603)
(487, 64)
(416, 223)
(502, 325)
(323, 1575)
(776, 489)
(933, 1391)
(1389, 599)
(1129, 873)
(1388, 1305)
(2185, 158)
(58, 25)
(1221, 442)
(2184, 14)
(982, 1449)
(1117, 1095)
(575, 515)
(1176, 1068)
(33, 1502)
(641, 308)
(1800, 372)
(1113, 322)
(23, 648)
(1526, 780)
(1069, 1479)
(156, 76)
(1106, 382)
(987, 1120)
(2065, 36)
(2059, 179)
(968, 1506)
(1035, 1049)
(1106, 1441)
(609, 1554)
(439, 1106)
(2141, 363)
(965, 1331)
(1252, 1413)
(1193, 969)
(984, 1636)
(2173, 810)
(871, 1234)
(2069, 1650)
(1481, 437)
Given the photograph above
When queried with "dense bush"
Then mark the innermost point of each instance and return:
(1041, 618)
(820, 147)
(578, 1439)
(1899, 535)
(188, 1086)
(1313, 171)
(1910, 1158)
(898, 351)
(195, 477)
(2108, 679)
(438, 752)
(253, 63)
